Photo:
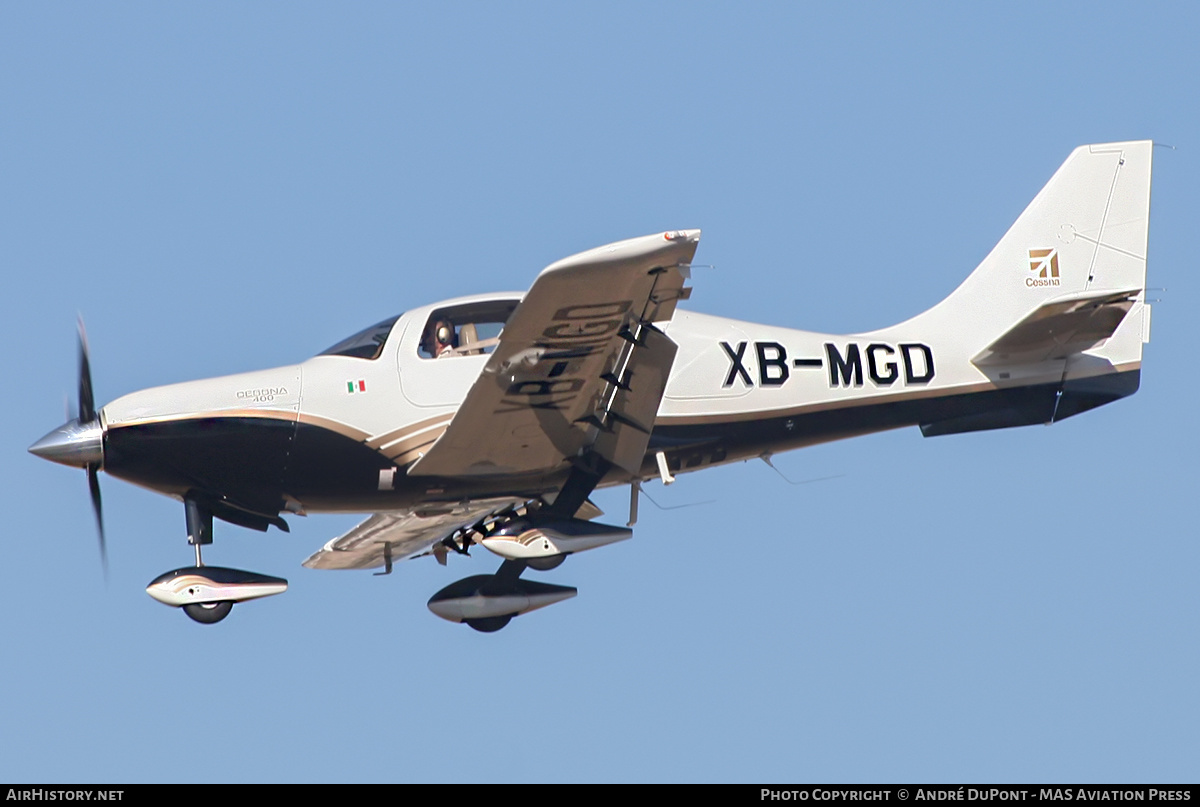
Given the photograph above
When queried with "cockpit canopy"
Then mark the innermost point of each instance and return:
(459, 329)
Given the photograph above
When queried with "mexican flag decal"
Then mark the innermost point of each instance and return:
(356, 386)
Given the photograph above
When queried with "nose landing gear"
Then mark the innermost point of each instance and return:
(207, 593)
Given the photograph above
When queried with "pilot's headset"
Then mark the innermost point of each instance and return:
(443, 336)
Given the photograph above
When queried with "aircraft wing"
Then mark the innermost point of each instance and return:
(579, 366)
(401, 534)
(1059, 327)
(410, 533)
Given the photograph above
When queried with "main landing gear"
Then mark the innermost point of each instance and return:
(207, 593)
(486, 602)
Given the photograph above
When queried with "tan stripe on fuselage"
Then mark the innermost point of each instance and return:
(268, 414)
(416, 442)
(344, 429)
(390, 437)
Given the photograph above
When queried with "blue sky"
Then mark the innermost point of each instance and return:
(223, 187)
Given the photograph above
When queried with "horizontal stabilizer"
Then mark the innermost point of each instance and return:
(1059, 327)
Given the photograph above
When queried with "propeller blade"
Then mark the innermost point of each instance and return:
(93, 473)
(87, 404)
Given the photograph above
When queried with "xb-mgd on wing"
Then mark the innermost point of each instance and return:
(489, 420)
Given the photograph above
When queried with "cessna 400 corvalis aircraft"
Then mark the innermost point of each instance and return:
(491, 419)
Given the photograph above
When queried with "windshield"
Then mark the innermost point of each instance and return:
(366, 344)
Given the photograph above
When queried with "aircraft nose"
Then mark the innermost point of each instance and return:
(73, 443)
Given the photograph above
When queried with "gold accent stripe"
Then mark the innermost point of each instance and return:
(344, 429)
(419, 441)
(268, 414)
(409, 435)
(421, 433)
(329, 424)
(386, 438)
(407, 457)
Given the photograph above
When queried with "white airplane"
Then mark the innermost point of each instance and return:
(490, 419)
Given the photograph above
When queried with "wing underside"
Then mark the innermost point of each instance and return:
(395, 536)
(401, 535)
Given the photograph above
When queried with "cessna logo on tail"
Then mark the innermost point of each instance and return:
(1043, 262)
(909, 362)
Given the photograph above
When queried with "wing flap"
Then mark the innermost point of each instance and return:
(627, 418)
(407, 533)
(1060, 327)
(560, 382)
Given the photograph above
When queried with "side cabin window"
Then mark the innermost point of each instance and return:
(366, 344)
(467, 329)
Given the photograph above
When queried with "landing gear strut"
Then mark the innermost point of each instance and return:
(199, 530)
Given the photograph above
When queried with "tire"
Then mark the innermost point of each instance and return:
(546, 564)
(489, 624)
(208, 613)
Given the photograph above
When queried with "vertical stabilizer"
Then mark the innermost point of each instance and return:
(1083, 234)
(1055, 315)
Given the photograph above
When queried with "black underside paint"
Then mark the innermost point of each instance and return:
(237, 459)
(326, 464)
(254, 463)
(1088, 393)
(690, 447)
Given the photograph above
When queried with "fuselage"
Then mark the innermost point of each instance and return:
(338, 431)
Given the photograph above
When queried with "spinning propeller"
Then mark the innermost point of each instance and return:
(80, 441)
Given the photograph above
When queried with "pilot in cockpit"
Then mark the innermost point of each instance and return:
(439, 337)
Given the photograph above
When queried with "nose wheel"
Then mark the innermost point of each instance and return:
(207, 593)
(208, 613)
